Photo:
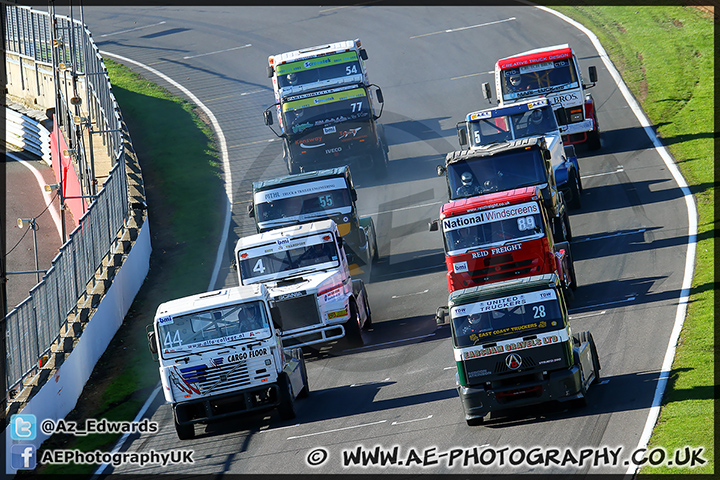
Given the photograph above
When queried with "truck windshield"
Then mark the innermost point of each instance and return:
(492, 227)
(496, 173)
(318, 69)
(538, 79)
(520, 125)
(303, 201)
(325, 110)
(218, 326)
(287, 257)
(501, 318)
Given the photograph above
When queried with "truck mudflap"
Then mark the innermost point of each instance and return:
(311, 337)
(561, 385)
(213, 408)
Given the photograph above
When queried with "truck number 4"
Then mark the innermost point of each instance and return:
(539, 311)
(259, 267)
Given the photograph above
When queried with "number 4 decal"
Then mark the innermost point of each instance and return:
(259, 267)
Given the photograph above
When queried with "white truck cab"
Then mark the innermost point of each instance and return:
(220, 355)
(307, 274)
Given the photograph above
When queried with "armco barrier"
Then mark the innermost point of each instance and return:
(26, 133)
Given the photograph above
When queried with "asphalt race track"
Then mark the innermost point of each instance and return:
(399, 390)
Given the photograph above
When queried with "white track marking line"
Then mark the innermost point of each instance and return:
(132, 29)
(390, 343)
(472, 75)
(410, 421)
(575, 317)
(217, 51)
(46, 196)
(610, 235)
(410, 294)
(629, 299)
(460, 29)
(337, 430)
(404, 208)
(620, 169)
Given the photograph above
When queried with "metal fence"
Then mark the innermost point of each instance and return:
(35, 324)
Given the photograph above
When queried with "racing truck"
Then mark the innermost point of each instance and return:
(506, 166)
(325, 110)
(527, 118)
(220, 356)
(331, 127)
(499, 236)
(316, 68)
(308, 276)
(513, 347)
(552, 72)
(316, 195)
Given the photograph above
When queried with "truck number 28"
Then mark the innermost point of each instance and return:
(539, 311)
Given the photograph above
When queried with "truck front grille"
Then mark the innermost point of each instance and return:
(223, 377)
(299, 312)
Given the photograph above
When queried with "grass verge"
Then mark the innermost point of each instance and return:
(184, 191)
(666, 57)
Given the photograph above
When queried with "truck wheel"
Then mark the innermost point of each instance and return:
(571, 270)
(368, 314)
(593, 139)
(575, 190)
(293, 168)
(380, 162)
(560, 233)
(595, 358)
(287, 400)
(184, 432)
(376, 253)
(306, 385)
(475, 421)
(353, 336)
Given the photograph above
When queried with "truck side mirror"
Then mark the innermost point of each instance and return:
(251, 211)
(561, 117)
(440, 170)
(547, 154)
(353, 194)
(433, 226)
(152, 345)
(270, 71)
(363, 54)
(341, 242)
(592, 73)
(267, 115)
(486, 92)
(276, 318)
(379, 95)
(462, 134)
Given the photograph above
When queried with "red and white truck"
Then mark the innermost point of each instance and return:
(552, 72)
(499, 236)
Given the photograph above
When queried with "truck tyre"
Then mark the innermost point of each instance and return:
(380, 161)
(571, 270)
(287, 399)
(593, 139)
(184, 432)
(560, 233)
(353, 335)
(595, 358)
(475, 421)
(306, 385)
(368, 314)
(575, 191)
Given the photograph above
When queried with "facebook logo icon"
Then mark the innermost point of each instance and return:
(23, 427)
(23, 457)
